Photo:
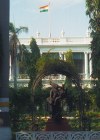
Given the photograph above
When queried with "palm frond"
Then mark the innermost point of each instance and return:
(11, 28)
(21, 29)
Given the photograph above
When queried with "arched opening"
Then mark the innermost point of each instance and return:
(64, 68)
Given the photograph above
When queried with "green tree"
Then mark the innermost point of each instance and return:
(30, 60)
(93, 11)
(69, 57)
(22, 59)
(14, 44)
(20, 107)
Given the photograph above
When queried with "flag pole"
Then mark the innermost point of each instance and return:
(49, 20)
(46, 8)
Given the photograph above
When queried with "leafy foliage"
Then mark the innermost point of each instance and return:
(30, 59)
(19, 105)
(14, 41)
(69, 57)
(22, 59)
(14, 46)
(55, 66)
(43, 61)
(93, 11)
(95, 46)
(96, 90)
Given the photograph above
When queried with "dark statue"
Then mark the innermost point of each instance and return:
(57, 94)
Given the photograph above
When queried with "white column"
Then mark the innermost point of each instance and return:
(64, 56)
(61, 58)
(86, 65)
(61, 55)
(90, 64)
(41, 53)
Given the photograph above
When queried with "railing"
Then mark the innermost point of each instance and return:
(20, 83)
(57, 41)
(66, 135)
(46, 82)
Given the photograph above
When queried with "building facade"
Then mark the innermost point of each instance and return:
(80, 47)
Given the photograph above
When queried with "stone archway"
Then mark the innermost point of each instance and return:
(65, 68)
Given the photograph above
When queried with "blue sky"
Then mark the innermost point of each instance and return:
(68, 15)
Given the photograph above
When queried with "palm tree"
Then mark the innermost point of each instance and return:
(14, 46)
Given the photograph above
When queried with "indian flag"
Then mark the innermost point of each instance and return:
(44, 8)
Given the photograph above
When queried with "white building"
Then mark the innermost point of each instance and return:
(80, 46)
